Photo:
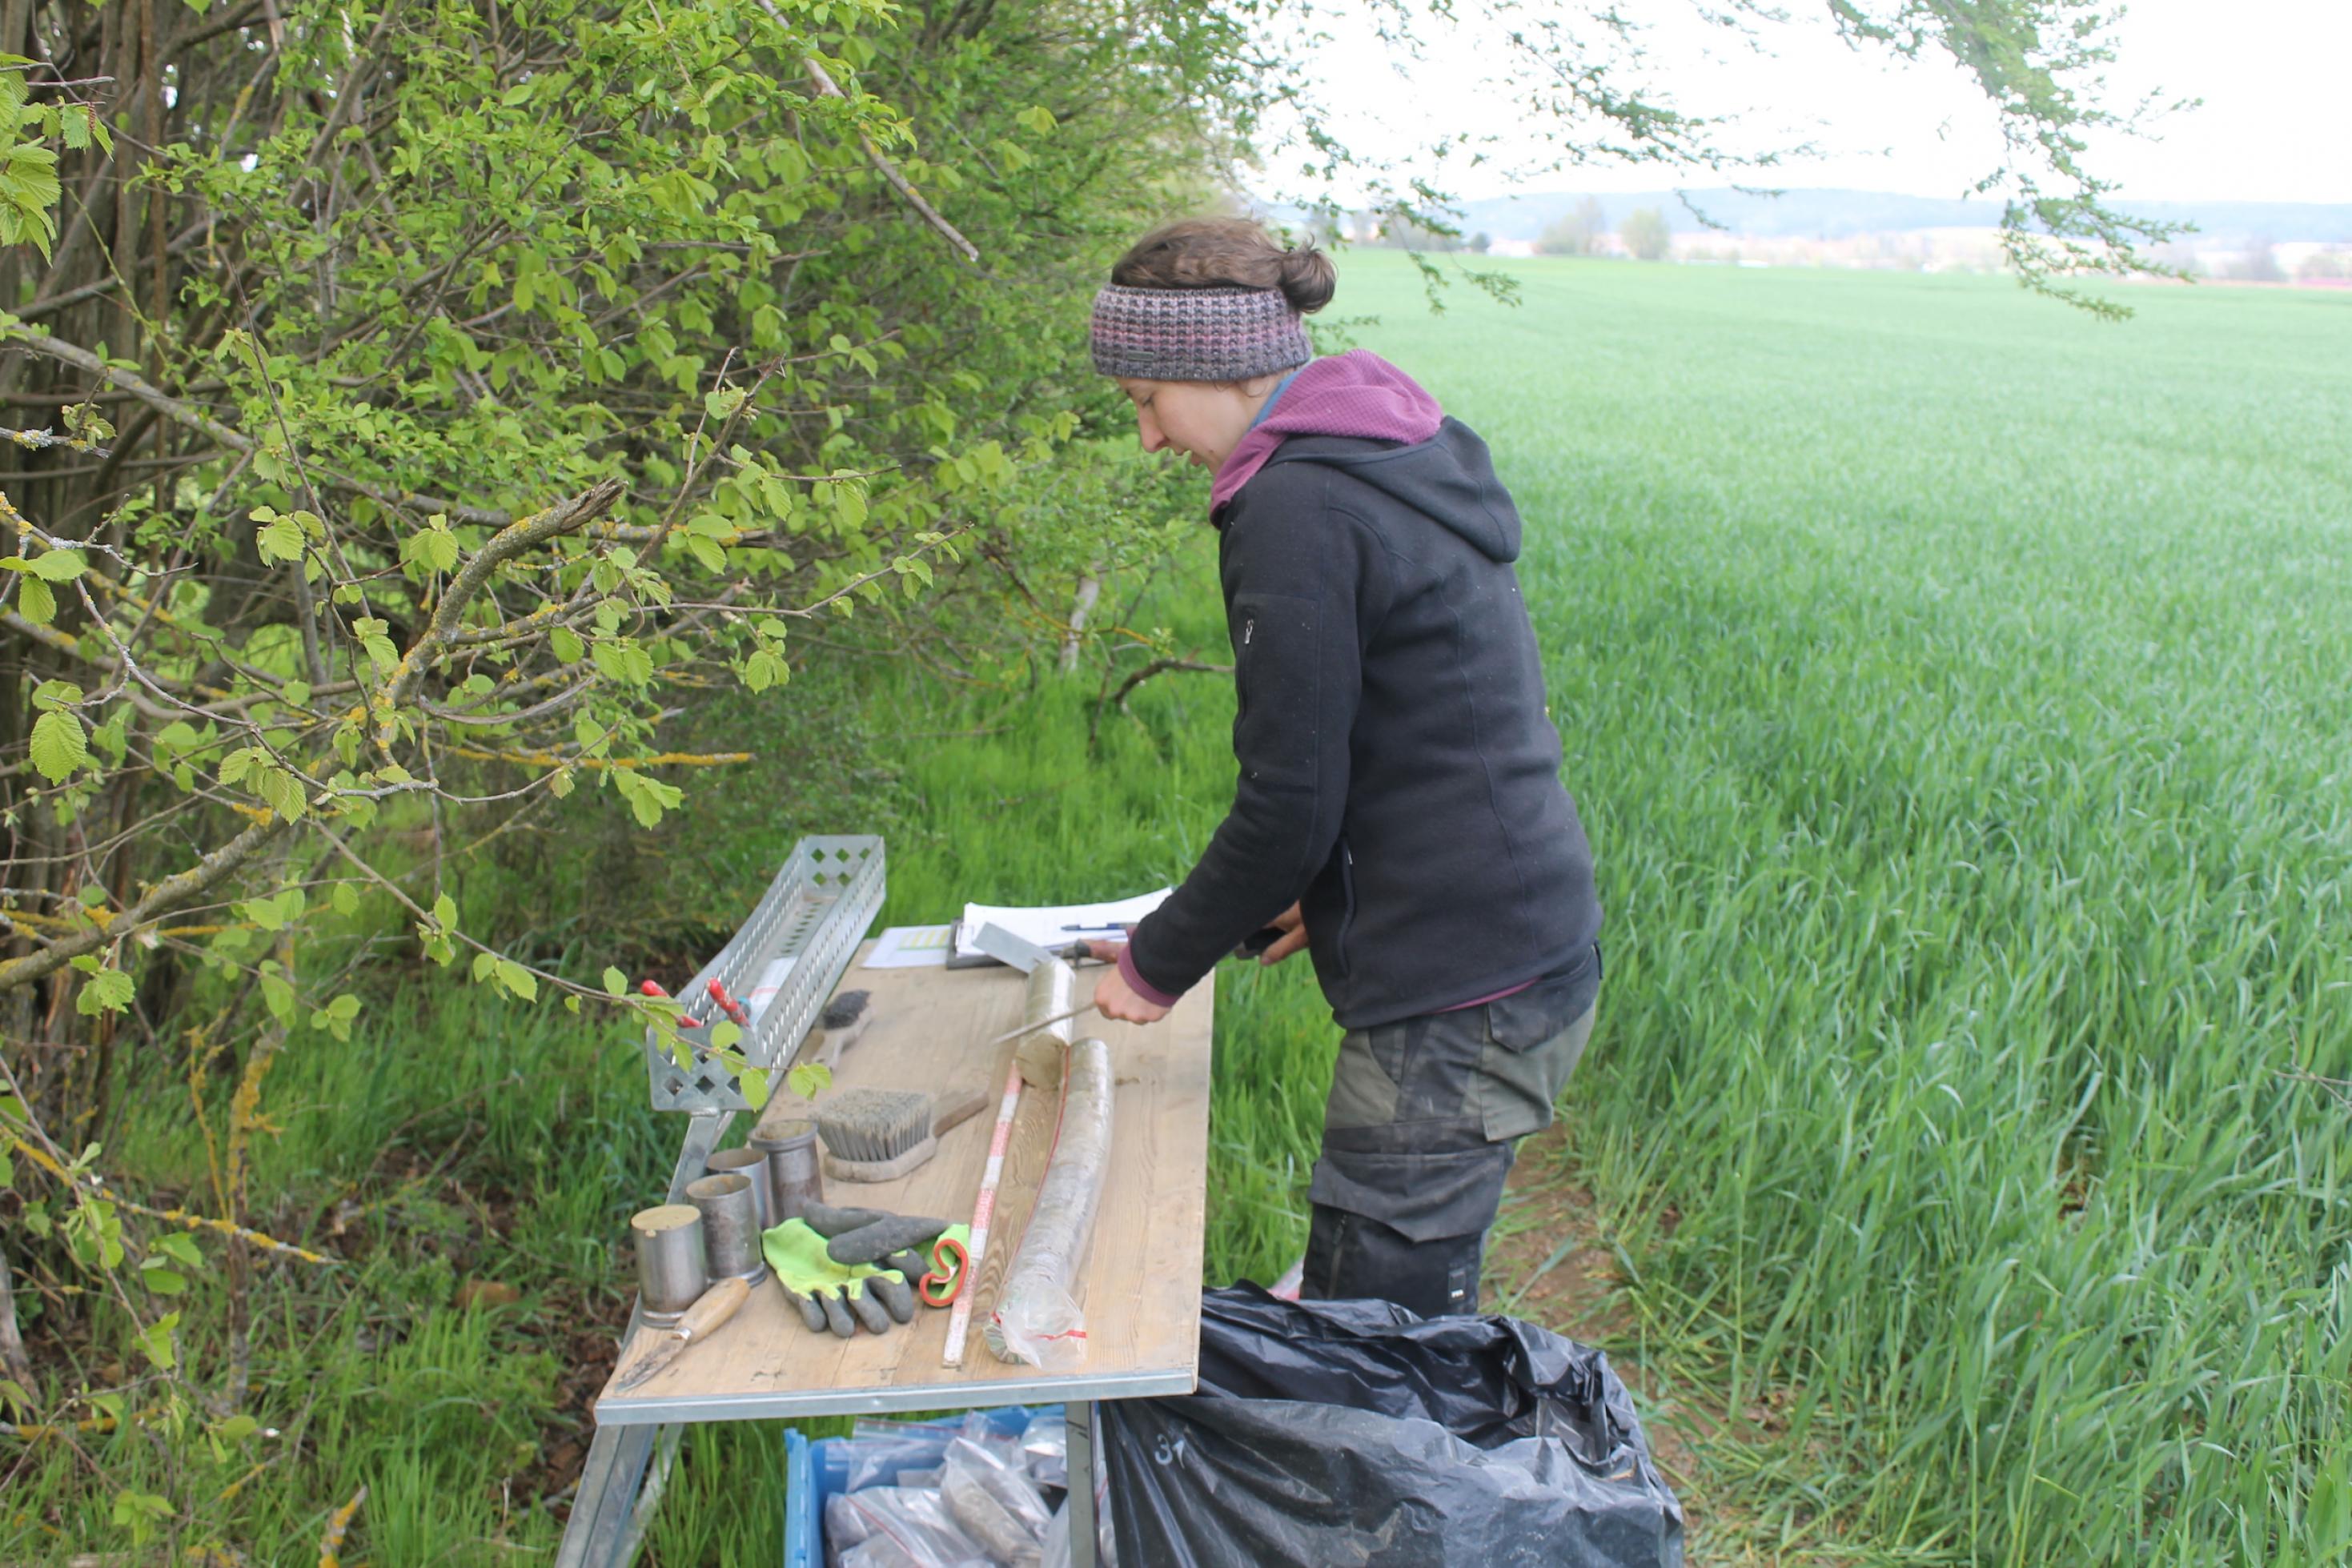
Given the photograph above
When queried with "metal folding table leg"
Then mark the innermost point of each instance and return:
(622, 1481)
(606, 1497)
(1079, 1418)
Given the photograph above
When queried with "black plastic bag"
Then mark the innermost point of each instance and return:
(1354, 1432)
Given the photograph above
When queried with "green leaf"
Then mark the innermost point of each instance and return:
(279, 539)
(59, 566)
(336, 1016)
(155, 1342)
(754, 1081)
(647, 798)
(616, 983)
(722, 402)
(161, 1278)
(566, 643)
(35, 602)
(518, 979)
(620, 659)
(283, 791)
(346, 898)
(277, 993)
(444, 911)
(764, 667)
(107, 991)
(809, 1080)
(60, 743)
(436, 548)
(138, 1511)
(724, 1033)
(181, 1248)
(275, 913)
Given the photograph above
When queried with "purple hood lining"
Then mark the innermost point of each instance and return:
(1357, 393)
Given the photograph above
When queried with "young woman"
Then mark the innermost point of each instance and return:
(1399, 812)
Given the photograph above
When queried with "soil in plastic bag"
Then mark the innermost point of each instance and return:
(1354, 1432)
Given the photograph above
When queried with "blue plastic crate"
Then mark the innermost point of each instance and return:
(815, 1471)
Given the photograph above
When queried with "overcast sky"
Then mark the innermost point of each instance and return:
(2272, 127)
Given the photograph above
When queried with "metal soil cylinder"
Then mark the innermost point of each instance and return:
(670, 1272)
(794, 1180)
(751, 1162)
(730, 1226)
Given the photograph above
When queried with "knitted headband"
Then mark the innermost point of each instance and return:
(1196, 334)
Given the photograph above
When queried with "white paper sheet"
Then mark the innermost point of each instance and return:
(771, 980)
(909, 948)
(1059, 925)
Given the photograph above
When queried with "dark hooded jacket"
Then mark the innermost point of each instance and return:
(1399, 769)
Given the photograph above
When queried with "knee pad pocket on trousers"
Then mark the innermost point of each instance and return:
(1423, 1196)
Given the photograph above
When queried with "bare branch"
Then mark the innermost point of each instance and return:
(503, 546)
(890, 170)
(179, 888)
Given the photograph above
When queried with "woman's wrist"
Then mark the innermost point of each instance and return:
(1138, 985)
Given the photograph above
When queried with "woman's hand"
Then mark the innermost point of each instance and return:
(1115, 999)
(1292, 923)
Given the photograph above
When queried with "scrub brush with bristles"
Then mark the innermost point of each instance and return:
(880, 1135)
(837, 1027)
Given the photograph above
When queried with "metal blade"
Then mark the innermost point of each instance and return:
(656, 1361)
(1008, 948)
(1032, 1028)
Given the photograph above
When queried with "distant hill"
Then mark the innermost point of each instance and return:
(1840, 214)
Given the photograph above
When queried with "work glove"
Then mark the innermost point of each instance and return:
(874, 1290)
(828, 1295)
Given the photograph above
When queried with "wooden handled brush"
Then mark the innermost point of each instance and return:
(880, 1135)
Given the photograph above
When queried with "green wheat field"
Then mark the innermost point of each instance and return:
(1955, 688)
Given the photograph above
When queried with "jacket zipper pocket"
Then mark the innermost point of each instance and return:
(1347, 903)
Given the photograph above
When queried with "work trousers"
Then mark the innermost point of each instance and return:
(1418, 1137)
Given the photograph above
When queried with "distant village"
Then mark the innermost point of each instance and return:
(1643, 229)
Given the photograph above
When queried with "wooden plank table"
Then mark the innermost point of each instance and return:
(1142, 1281)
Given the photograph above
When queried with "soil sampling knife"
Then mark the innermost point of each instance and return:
(1016, 1032)
(710, 1313)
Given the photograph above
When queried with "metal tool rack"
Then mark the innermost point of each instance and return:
(811, 919)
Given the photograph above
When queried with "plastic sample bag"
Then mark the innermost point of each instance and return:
(1354, 1432)
(1038, 1317)
(895, 1527)
(994, 1502)
(1045, 1447)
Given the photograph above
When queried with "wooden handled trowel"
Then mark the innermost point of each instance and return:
(710, 1313)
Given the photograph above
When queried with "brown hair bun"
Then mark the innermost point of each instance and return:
(1227, 253)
